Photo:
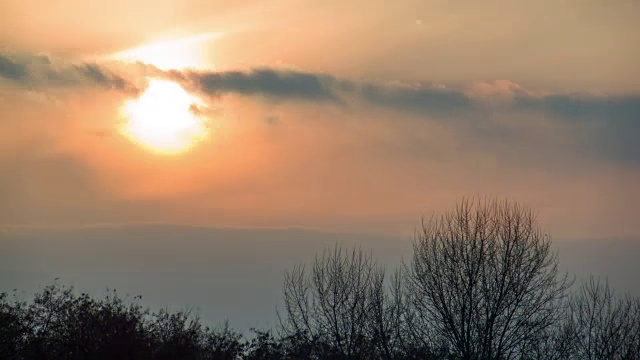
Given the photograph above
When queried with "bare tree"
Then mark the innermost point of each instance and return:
(556, 342)
(388, 309)
(484, 280)
(606, 326)
(633, 343)
(339, 305)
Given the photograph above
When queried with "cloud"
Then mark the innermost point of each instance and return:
(610, 125)
(270, 83)
(496, 90)
(584, 107)
(288, 85)
(12, 70)
(294, 85)
(422, 98)
(37, 71)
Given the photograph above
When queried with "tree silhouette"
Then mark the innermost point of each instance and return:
(484, 280)
(13, 326)
(60, 324)
(606, 326)
(340, 305)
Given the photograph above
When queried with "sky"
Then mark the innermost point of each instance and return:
(342, 117)
(231, 273)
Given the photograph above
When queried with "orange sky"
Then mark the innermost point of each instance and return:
(320, 114)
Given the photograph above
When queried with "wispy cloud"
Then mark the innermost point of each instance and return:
(44, 72)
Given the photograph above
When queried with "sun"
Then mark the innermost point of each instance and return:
(163, 119)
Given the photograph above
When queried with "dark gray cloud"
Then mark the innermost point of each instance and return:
(583, 107)
(41, 71)
(296, 85)
(12, 70)
(611, 123)
(275, 84)
(427, 100)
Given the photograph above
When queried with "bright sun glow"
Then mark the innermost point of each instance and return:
(180, 53)
(162, 119)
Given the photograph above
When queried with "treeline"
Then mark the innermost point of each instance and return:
(482, 283)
